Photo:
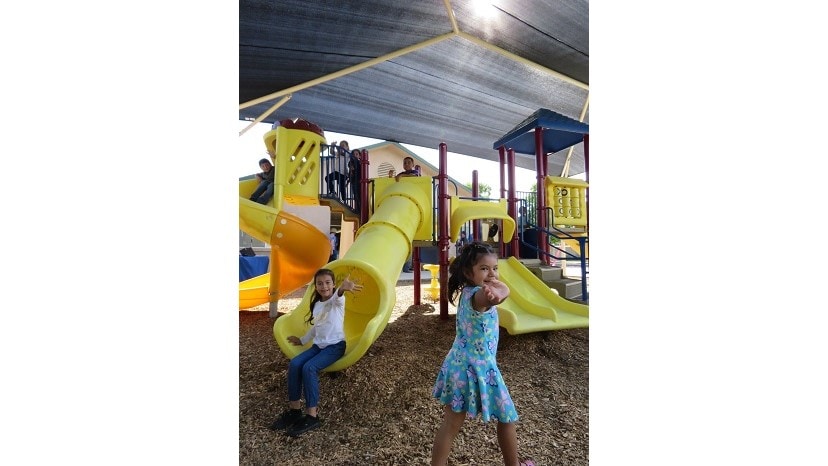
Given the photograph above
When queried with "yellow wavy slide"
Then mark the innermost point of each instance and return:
(374, 261)
(297, 249)
(532, 306)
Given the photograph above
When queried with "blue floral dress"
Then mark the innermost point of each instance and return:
(469, 379)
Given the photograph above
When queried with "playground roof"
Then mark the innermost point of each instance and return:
(559, 133)
(418, 72)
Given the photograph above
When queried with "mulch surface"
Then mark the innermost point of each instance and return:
(379, 411)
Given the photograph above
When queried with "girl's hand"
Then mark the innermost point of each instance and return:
(348, 285)
(495, 291)
(294, 340)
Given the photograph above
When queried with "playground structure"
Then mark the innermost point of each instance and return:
(292, 222)
(396, 218)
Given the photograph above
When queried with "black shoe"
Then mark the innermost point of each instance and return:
(303, 425)
(287, 419)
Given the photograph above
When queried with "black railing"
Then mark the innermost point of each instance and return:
(334, 180)
(528, 238)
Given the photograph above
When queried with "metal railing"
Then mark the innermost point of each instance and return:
(334, 177)
(527, 234)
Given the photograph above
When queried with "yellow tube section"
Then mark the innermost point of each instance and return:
(374, 261)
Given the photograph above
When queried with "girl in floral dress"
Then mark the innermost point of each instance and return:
(469, 382)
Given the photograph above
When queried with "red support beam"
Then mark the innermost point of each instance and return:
(443, 239)
(540, 216)
(477, 230)
(510, 163)
(363, 188)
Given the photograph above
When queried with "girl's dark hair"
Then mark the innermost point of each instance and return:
(353, 160)
(315, 297)
(464, 262)
(264, 160)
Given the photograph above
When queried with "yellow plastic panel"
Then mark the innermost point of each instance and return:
(567, 198)
(296, 160)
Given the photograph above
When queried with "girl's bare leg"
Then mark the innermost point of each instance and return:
(449, 428)
(507, 439)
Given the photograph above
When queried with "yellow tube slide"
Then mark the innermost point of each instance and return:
(374, 261)
(532, 306)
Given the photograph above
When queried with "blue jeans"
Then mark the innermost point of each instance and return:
(263, 193)
(303, 370)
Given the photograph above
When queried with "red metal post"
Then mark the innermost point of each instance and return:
(443, 238)
(363, 189)
(540, 217)
(476, 232)
(501, 152)
(586, 170)
(512, 200)
(415, 262)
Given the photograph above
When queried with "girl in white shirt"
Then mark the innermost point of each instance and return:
(326, 316)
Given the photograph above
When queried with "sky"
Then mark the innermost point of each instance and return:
(251, 149)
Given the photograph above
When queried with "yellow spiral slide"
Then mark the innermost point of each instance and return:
(297, 249)
(374, 261)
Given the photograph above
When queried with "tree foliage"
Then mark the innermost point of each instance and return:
(483, 189)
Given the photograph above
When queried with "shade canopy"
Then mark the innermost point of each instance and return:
(463, 72)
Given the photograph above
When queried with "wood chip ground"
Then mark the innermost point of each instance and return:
(380, 411)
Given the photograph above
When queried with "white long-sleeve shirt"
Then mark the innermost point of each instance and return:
(328, 322)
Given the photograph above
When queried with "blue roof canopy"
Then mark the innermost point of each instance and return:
(559, 133)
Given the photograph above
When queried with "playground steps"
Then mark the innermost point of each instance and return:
(336, 206)
(569, 288)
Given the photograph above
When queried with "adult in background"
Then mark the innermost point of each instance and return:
(354, 177)
(338, 171)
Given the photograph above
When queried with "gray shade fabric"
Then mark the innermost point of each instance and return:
(466, 87)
